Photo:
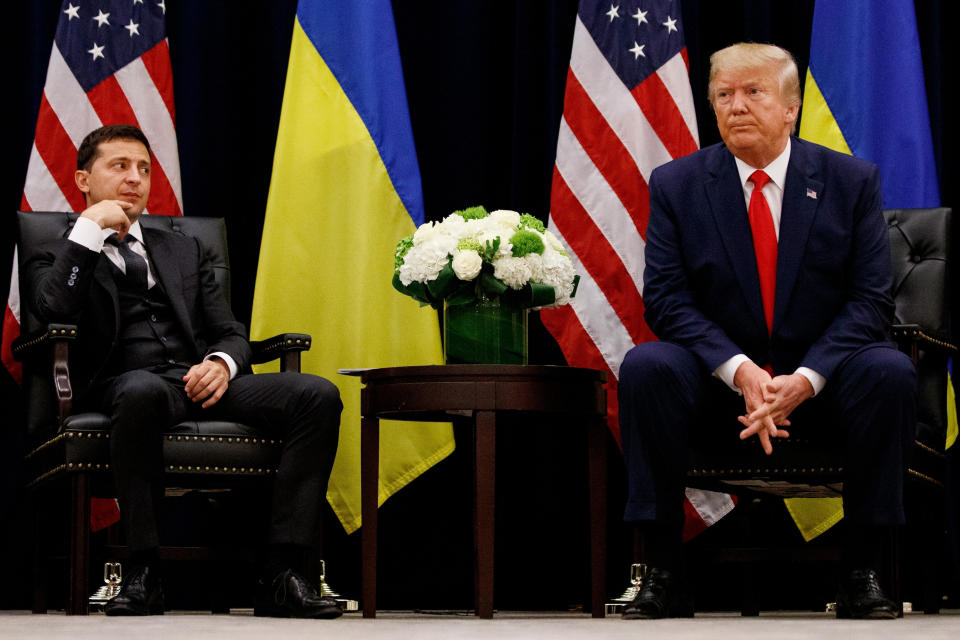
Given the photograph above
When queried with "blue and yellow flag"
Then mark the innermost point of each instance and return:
(345, 188)
(864, 95)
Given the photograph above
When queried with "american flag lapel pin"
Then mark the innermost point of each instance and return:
(811, 194)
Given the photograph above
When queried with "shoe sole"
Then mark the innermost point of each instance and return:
(321, 614)
(878, 614)
(126, 611)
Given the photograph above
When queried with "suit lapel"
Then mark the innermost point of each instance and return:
(801, 196)
(167, 272)
(725, 195)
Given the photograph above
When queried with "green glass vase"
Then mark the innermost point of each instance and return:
(484, 332)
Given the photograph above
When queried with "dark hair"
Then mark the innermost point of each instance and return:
(89, 149)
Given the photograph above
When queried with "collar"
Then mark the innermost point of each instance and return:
(135, 231)
(777, 170)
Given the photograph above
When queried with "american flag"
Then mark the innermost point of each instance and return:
(628, 108)
(110, 64)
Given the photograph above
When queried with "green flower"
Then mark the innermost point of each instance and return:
(525, 242)
(470, 244)
(472, 213)
(530, 222)
(403, 247)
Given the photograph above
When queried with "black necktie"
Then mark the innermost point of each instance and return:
(135, 265)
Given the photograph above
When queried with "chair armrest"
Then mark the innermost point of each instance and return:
(58, 337)
(31, 343)
(914, 337)
(285, 346)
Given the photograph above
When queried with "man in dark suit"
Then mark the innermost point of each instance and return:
(767, 276)
(158, 344)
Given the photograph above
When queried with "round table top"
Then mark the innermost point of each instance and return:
(437, 391)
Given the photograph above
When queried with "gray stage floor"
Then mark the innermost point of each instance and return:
(241, 624)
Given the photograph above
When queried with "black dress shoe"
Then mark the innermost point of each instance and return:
(141, 594)
(661, 596)
(860, 596)
(290, 595)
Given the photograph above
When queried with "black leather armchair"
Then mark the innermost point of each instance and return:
(920, 253)
(71, 450)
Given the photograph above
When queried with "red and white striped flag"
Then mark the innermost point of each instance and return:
(110, 64)
(628, 108)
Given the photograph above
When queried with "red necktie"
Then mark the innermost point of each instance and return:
(764, 244)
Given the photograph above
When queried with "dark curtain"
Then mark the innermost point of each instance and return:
(485, 87)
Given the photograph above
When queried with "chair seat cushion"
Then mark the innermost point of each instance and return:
(216, 452)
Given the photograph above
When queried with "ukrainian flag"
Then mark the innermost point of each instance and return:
(345, 188)
(864, 95)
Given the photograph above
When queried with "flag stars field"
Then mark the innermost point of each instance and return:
(102, 19)
(133, 28)
(96, 52)
(72, 12)
(670, 24)
(640, 17)
(637, 50)
(614, 12)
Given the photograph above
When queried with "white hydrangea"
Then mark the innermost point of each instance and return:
(466, 264)
(454, 226)
(488, 229)
(428, 256)
(557, 271)
(513, 272)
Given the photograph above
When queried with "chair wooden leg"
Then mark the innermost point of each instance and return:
(597, 475)
(39, 564)
(77, 602)
(893, 569)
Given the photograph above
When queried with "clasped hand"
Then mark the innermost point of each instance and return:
(769, 402)
(207, 381)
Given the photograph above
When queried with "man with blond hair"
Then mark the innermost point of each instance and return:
(767, 281)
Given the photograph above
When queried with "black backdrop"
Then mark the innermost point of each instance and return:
(485, 87)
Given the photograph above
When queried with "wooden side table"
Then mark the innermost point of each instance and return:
(435, 394)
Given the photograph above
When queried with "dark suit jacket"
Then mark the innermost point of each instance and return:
(90, 299)
(701, 288)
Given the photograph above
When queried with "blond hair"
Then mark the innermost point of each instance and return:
(750, 55)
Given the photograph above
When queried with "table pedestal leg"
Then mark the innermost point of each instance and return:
(369, 480)
(597, 451)
(484, 468)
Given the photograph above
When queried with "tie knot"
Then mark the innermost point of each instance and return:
(127, 239)
(759, 179)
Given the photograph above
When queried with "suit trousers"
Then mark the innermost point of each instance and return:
(669, 403)
(301, 409)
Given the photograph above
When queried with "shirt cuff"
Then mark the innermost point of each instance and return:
(728, 370)
(817, 381)
(231, 363)
(87, 233)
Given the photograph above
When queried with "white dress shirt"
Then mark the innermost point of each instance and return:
(773, 192)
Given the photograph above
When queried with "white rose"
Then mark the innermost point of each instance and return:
(505, 217)
(553, 241)
(513, 272)
(467, 264)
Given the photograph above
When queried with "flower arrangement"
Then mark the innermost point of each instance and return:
(472, 254)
